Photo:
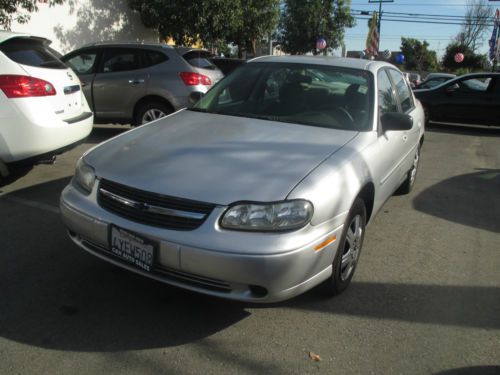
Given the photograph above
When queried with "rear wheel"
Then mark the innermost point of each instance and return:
(349, 250)
(151, 111)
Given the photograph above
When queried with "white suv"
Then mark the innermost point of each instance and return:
(42, 108)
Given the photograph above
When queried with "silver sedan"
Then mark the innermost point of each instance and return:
(260, 191)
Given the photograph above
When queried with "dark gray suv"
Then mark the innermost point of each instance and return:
(138, 83)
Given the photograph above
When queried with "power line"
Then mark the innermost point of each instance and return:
(423, 21)
(424, 15)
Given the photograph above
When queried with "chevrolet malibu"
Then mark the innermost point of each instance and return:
(260, 191)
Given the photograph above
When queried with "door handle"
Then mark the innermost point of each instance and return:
(135, 81)
(83, 83)
(405, 138)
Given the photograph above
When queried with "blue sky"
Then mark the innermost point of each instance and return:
(438, 36)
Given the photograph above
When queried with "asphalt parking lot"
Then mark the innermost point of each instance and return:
(425, 298)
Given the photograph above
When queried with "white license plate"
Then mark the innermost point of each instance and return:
(132, 248)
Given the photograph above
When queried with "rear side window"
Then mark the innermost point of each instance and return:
(119, 60)
(402, 90)
(199, 59)
(31, 52)
(154, 58)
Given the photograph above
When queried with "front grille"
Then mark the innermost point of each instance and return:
(140, 214)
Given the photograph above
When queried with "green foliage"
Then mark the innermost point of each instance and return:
(304, 21)
(188, 21)
(418, 56)
(472, 61)
(259, 18)
(19, 11)
(215, 22)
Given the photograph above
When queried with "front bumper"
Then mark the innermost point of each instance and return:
(253, 267)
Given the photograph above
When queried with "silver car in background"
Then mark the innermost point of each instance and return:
(263, 189)
(137, 83)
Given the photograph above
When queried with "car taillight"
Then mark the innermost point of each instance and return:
(14, 86)
(193, 79)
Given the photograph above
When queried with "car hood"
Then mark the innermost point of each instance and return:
(216, 158)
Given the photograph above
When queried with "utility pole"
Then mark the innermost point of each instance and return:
(379, 18)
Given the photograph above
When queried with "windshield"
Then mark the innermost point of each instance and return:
(316, 95)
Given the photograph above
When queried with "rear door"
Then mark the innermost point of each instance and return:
(120, 82)
(38, 61)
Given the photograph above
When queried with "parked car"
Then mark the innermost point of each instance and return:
(138, 83)
(226, 64)
(253, 194)
(42, 109)
(435, 79)
(468, 99)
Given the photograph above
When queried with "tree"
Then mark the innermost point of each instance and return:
(477, 20)
(259, 18)
(417, 55)
(189, 21)
(19, 11)
(304, 21)
(471, 62)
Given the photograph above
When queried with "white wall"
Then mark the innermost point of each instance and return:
(78, 22)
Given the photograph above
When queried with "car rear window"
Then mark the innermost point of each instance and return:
(199, 59)
(31, 52)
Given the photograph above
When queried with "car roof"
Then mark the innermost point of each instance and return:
(6, 35)
(342, 62)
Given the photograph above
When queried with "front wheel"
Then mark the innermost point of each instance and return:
(349, 250)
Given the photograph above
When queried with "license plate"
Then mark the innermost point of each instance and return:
(132, 248)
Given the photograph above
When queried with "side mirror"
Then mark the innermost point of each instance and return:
(396, 121)
(194, 97)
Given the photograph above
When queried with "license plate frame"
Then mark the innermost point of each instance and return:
(132, 248)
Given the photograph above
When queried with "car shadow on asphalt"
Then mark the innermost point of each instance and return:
(55, 295)
(464, 199)
(101, 133)
(442, 305)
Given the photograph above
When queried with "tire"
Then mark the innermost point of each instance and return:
(347, 257)
(407, 186)
(151, 111)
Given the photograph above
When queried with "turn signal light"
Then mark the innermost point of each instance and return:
(16, 86)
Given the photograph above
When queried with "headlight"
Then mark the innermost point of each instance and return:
(84, 175)
(279, 216)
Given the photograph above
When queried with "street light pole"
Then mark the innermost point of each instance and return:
(379, 20)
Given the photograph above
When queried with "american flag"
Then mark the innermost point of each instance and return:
(372, 39)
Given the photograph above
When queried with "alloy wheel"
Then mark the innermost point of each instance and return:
(352, 247)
